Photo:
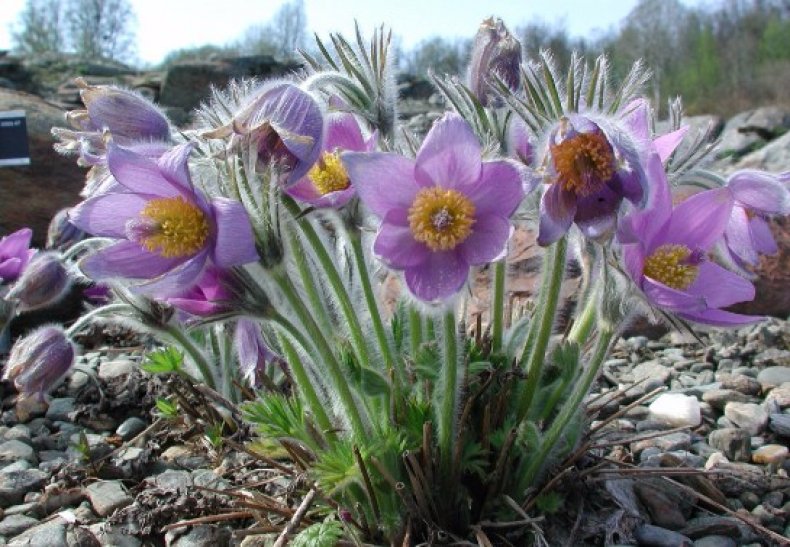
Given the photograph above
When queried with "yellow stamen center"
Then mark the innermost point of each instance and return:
(669, 265)
(174, 227)
(328, 174)
(441, 218)
(583, 162)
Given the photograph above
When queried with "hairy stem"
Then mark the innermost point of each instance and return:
(449, 393)
(498, 305)
(194, 352)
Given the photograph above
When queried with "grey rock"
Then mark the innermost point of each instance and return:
(654, 536)
(750, 500)
(773, 376)
(173, 480)
(743, 384)
(200, 536)
(49, 534)
(666, 443)
(11, 451)
(715, 541)
(700, 527)
(780, 424)
(80, 536)
(766, 517)
(19, 465)
(109, 370)
(107, 496)
(779, 396)
(663, 508)
(32, 509)
(734, 443)
(718, 398)
(112, 536)
(130, 427)
(206, 478)
(749, 416)
(60, 409)
(13, 525)
(773, 357)
(14, 485)
(20, 432)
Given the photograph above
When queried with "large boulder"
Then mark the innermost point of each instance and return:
(30, 195)
(751, 130)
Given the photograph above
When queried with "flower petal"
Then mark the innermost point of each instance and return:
(671, 299)
(738, 236)
(16, 243)
(487, 241)
(762, 237)
(499, 190)
(174, 281)
(721, 318)
(450, 155)
(342, 131)
(173, 165)
(10, 268)
(106, 215)
(699, 220)
(437, 278)
(139, 173)
(383, 181)
(235, 243)
(557, 209)
(396, 245)
(761, 191)
(666, 144)
(126, 259)
(720, 287)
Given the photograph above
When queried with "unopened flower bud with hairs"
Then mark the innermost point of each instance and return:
(44, 282)
(495, 52)
(39, 360)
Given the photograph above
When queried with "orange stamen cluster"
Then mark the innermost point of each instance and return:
(441, 218)
(328, 174)
(584, 163)
(175, 227)
(669, 265)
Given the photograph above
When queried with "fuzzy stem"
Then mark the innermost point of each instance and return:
(571, 406)
(586, 320)
(450, 388)
(303, 382)
(308, 281)
(325, 352)
(335, 282)
(498, 305)
(189, 346)
(80, 246)
(552, 283)
(84, 320)
(226, 360)
(415, 331)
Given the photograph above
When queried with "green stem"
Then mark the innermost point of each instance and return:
(498, 306)
(308, 281)
(303, 382)
(415, 331)
(189, 346)
(552, 283)
(227, 363)
(324, 352)
(586, 321)
(335, 282)
(93, 314)
(450, 388)
(572, 406)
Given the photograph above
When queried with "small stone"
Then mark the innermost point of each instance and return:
(107, 496)
(766, 517)
(664, 509)
(749, 416)
(651, 371)
(773, 499)
(742, 384)
(19, 465)
(653, 536)
(780, 396)
(734, 443)
(780, 424)
(51, 534)
(700, 527)
(173, 480)
(773, 358)
(665, 443)
(715, 541)
(676, 410)
(200, 536)
(19, 432)
(718, 398)
(773, 376)
(109, 370)
(11, 451)
(130, 427)
(770, 453)
(28, 408)
(107, 534)
(32, 509)
(750, 500)
(61, 409)
(13, 525)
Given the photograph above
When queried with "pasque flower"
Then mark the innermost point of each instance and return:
(210, 295)
(38, 360)
(442, 213)
(590, 172)
(15, 253)
(327, 183)
(42, 283)
(665, 252)
(284, 125)
(756, 195)
(251, 349)
(167, 231)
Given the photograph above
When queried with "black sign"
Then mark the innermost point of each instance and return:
(13, 138)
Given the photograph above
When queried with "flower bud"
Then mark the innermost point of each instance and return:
(43, 283)
(495, 51)
(38, 360)
(252, 351)
(61, 233)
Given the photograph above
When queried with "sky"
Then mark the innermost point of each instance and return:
(167, 25)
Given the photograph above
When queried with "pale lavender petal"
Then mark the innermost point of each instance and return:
(396, 245)
(235, 244)
(124, 114)
(201, 308)
(174, 167)
(487, 241)
(647, 224)
(634, 261)
(666, 144)
(598, 228)
(342, 131)
(761, 191)
(636, 118)
(126, 259)
(177, 279)
(720, 287)
(721, 318)
(632, 185)
(499, 190)
(699, 220)
(106, 215)
(16, 243)
(557, 209)
(739, 236)
(762, 237)
(450, 155)
(383, 181)
(139, 173)
(10, 268)
(305, 191)
(671, 299)
(437, 278)
(519, 141)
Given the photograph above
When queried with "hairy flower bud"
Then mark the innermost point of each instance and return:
(43, 283)
(38, 360)
(495, 51)
(61, 233)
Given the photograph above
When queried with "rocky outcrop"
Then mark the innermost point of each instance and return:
(30, 195)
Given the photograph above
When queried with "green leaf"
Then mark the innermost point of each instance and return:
(322, 534)
(372, 382)
(550, 502)
(167, 408)
(164, 361)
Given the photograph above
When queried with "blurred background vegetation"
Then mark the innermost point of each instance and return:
(722, 57)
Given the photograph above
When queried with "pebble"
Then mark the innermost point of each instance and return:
(107, 496)
(742, 383)
(12, 451)
(49, 534)
(199, 536)
(61, 409)
(109, 370)
(654, 536)
(773, 376)
(20, 432)
(700, 527)
(734, 443)
(718, 398)
(13, 525)
(780, 396)
(676, 410)
(770, 454)
(749, 416)
(130, 427)
(780, 424)
(715, 541)
(15, 484)
(108, 534)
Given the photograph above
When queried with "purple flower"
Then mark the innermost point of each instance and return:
(15, 253)
(665, 252)
(590, 173)
(208, 296)
(39, 360)
(285, 126)
(43, 283)
(251, 349)
(167, 230)
(327, 183)
(127, 116)
(519, 141)
(62, 234)
(441, 214)
(495, 52)
(755, 195)
(637, 120)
